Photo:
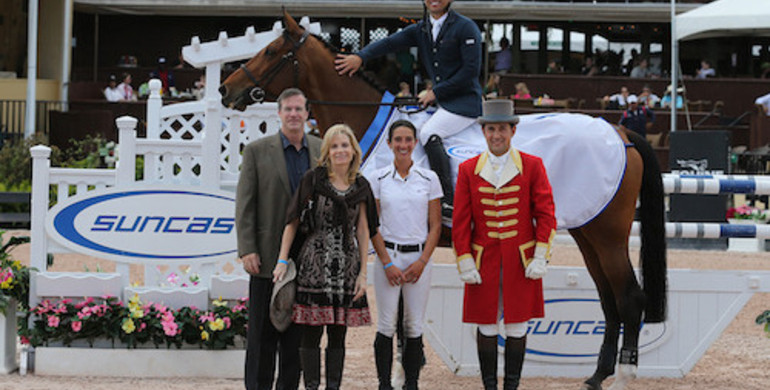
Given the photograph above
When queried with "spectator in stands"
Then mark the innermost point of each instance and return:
(553, 67)
(492, 89)
(403, 90)
(640, 70)
(589, 68)
(166, 78)
(428, 87)
(616, 101)
(112, 93)
(765, 68)
(127, 92)
(665, 102)
(522, 92)
(199, 87)
(144, 88)
(503, 58)
(406, 66)
(637, 118)
(764, 101)
(647, 98)
(705, 70)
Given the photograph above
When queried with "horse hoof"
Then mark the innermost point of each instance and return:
(589, 386)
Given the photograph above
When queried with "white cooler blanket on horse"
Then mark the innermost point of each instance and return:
(584, 157)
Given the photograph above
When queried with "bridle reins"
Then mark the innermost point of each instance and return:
(259, 92)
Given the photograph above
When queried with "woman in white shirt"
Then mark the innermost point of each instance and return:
(408, 198)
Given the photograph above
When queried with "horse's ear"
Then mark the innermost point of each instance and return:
(290, 23)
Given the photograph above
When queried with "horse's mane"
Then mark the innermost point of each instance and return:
(360, 74)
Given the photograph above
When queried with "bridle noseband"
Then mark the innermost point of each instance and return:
(258, 93)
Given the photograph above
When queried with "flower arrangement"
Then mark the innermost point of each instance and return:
(14, 276)
(136, 323)
(747, 212)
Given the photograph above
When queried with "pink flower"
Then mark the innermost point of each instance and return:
(24, 339)
(227, 322)
(142, 326)
(53, 321)
(76, 326)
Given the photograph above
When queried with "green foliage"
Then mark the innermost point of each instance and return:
(764, 318)
(14, 276)
(16, 163)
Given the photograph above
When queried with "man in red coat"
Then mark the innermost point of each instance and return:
(503, 227)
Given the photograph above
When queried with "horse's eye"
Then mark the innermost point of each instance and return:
(269, 52)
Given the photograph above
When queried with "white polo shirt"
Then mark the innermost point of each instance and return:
(404, 202)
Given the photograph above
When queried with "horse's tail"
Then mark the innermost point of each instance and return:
(653, 232)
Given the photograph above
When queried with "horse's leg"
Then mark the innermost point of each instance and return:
(605, 366)
(608, 235)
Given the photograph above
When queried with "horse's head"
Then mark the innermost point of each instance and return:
(273, 69)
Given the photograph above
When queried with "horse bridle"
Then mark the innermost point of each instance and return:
(258, 93)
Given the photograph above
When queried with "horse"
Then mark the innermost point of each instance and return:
(299, 59)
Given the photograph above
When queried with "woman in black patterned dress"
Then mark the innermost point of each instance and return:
(329, 222)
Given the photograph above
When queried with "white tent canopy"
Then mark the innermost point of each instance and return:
(723, 18)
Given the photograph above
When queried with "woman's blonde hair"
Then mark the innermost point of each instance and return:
(335, 130)
(522, 87)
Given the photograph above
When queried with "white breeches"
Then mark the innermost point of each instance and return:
(516, 329)
(444, 124)
(415, 296)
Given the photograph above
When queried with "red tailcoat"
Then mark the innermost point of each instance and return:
(497, 226)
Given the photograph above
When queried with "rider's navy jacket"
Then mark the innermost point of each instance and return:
(453, 62)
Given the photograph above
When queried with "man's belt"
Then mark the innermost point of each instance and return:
(404, 248)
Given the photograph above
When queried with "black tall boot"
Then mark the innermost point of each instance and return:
(439, 163)
(413, 355)
(383, 358)
(515, 348)
(311, 367)
(335, 361)
(487, 348)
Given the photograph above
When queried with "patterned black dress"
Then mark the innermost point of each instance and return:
(328, 258)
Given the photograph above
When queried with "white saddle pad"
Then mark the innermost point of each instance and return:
(584, 158)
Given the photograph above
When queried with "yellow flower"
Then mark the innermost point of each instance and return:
(217, 324)
(204, 335)
(16, 265)
(6, 284)
(134, 301)
(136, 312)
(128, 326)
(219, 302)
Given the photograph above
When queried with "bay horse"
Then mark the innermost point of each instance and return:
(298, 59)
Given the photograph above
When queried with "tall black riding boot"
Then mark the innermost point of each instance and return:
(439, 163)
(310, 358)
(413, 355)
(487, 348)
(383, 358)
(515, 348)
(335, 361)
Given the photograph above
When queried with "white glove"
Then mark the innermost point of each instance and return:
(468, 272)
(539, 265)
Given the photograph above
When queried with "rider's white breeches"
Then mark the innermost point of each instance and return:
(415, 296)
(444, 124)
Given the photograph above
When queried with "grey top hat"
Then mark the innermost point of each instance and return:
(498, 111)
(282, 300)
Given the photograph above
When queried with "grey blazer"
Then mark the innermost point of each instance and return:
(262, 198)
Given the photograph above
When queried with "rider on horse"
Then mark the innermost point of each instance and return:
(449, 47)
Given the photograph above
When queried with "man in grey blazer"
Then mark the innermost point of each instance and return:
(270, 173)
